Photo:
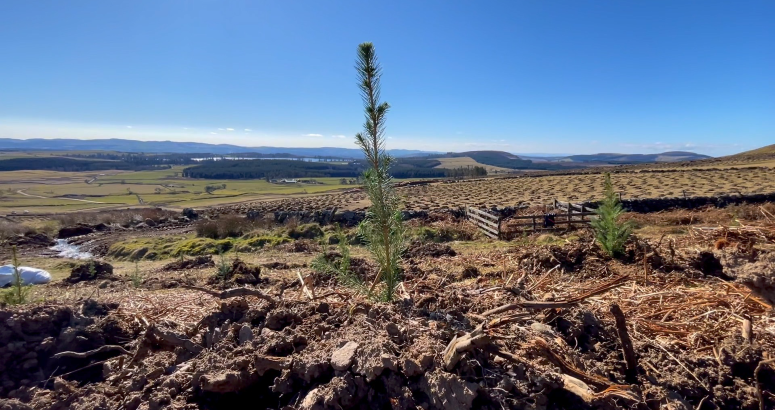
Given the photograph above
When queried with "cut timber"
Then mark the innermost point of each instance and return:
(233, 293)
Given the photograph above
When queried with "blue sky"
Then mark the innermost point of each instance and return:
(520, 76)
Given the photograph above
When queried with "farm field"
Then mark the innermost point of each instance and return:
(52, 192)
(539, 190)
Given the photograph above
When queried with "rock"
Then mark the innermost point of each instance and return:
(323, 307)
(393, 330)
(342, 359)
(71, 231)
(190, 213)
(104, 284)
(35, 239)
(411, 368)
(150, 222)
(245, 334)
(155, 373)
(312, 399)
(447, 391)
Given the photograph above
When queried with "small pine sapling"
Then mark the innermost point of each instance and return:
(610, 232)
(383, 229)
(18, 294)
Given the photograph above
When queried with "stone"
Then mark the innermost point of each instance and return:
(411, 368)
(245, 334)
(343, 357)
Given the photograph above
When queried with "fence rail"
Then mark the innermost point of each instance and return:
(489, 224)
(565, 214)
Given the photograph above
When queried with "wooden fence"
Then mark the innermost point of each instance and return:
(563, 214)
(489, 224)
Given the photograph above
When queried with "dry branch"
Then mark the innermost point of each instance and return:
(527, 304)
(477, 338)
(84, 355)
(631, 374)
(233, 293)
(570, 369)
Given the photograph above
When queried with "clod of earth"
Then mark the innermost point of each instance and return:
(90, 270)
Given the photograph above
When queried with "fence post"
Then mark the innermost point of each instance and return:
(570, 216)
(534, 223)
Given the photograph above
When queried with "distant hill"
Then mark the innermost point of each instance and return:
(172, 147)
(672, 156)
(518, 162)
(768, 151)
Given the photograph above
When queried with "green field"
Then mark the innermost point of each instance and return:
(52, 192)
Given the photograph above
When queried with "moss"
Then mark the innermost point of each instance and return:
(262, 241)
(143, 248)
(203, 246)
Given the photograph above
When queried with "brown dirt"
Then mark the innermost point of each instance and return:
(90, 271)
(683, 298)
(239, 274)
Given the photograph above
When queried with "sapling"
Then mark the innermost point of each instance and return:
(610, 232)
(382, 230)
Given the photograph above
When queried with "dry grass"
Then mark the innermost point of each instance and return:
(543, 189)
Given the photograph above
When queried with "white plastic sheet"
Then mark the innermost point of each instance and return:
(30, 276)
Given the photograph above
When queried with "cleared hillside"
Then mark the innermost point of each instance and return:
(462, 162)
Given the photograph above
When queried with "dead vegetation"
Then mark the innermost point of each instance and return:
(680, 321)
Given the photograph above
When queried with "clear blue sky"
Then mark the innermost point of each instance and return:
(521, 76)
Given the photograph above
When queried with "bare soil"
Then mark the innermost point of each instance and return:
(526, 324)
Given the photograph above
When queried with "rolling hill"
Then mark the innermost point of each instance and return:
(124, 145)
(768, 151)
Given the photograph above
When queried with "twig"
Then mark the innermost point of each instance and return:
(631, 374)
(306, 290)
(680, 363)
(561, 303)
(84, 355)
(233, 293)
(568, 368)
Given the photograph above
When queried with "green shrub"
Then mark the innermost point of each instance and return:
(611, 233)
(136, 278)
(338, 267)
(18, 293)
